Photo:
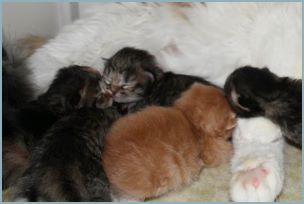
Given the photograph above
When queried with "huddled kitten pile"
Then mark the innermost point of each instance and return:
(63, 129)
(133, 132)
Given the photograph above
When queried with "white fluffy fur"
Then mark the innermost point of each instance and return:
(258, 145)
(208, 41)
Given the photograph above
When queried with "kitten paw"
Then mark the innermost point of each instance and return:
(256, 184)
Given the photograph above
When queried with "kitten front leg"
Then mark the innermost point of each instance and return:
(262, 183)
(257, 164)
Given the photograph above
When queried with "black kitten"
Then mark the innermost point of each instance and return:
(259, 92)
(159, 88)
(66, 166)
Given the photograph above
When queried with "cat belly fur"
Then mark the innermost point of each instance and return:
(208, 41)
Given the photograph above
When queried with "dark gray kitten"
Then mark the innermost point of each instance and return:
(141, 80)
(66, 165)
(258, 92)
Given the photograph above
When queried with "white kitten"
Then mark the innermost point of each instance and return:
(257, 164)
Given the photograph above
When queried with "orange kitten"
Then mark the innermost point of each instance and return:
(159, 149)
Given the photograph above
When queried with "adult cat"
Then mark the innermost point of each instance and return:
(208, 40)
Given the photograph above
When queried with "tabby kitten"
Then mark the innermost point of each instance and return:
(168, 146)
(129, 74)
(24, 124)
(73, 87)
(65, 165)
(135, 80)
(258, 92)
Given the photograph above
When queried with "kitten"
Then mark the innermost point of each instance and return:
(129, 74)
(168, 146)
(65, 165)
(24, 124)
(257, 163)
(73, 87)
(162, 88)
(258, 92)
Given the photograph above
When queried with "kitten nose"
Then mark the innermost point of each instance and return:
(114, 88)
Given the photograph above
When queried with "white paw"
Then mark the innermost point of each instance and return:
(262, 183)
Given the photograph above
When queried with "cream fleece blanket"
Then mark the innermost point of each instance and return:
(213, 184)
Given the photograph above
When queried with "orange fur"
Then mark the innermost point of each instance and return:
(160, 149)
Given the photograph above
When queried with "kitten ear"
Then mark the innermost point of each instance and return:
(154, 74)
(149, 75)
(87, 95)
(157, 73)
(82, 94)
